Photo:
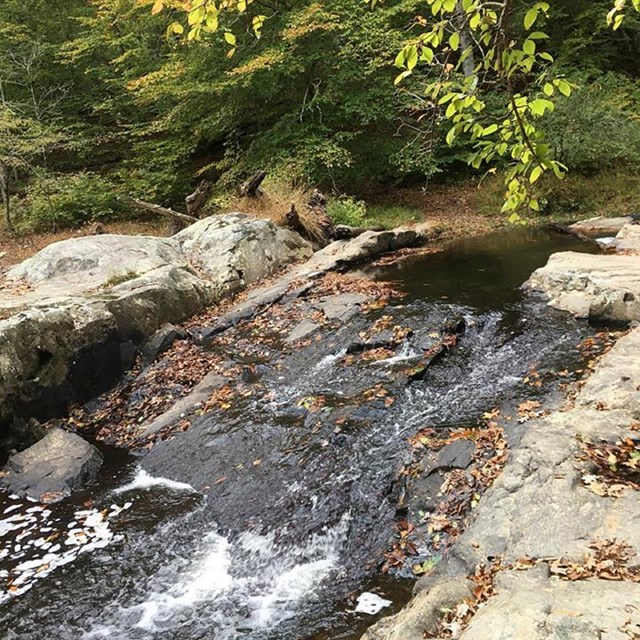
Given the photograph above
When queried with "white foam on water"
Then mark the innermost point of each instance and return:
(251, 584)
(144, 480)
(371, 604)
(330, 360)
(405, 352)
(207, 579)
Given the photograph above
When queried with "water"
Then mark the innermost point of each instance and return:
(268, 520)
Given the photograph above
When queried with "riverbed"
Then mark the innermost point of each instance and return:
(268, 518)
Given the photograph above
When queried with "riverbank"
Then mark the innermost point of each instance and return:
(550, 551)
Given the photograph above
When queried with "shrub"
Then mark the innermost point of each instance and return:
(69, 201)
(347, 210)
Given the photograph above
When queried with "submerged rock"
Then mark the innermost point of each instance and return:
(53, 468)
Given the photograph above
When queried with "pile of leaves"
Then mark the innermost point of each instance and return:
(610, 560)
(455, 620)
(616, 465)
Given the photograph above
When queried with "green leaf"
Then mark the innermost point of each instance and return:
(454, 41)
(530, 18)
(536, 172)
(230, 38)
(548, 89)
(529, 47)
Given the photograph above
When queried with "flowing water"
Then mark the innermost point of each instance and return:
(267, 521)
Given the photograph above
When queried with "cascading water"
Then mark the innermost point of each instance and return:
(266, 520)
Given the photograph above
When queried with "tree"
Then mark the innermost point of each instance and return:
(28, 128)
(470, 48)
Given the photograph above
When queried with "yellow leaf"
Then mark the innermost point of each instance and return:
(158, 6)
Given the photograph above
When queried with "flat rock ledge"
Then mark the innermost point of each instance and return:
(541, 508)
(600, 287)
(73, 317)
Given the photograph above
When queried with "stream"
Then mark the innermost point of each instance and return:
(266, 519)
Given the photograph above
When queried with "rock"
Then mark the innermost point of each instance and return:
(341, 306)
(200, 394)
(236, 250)
(422, 613)
(76, 312)
(628, 239)
(53, 468)
(161, 341)
(601, 225)
(601, 287)
(616, 381)
(457, 455)
(301, 330)
(531, 605)
(82, 264)
(368, 245)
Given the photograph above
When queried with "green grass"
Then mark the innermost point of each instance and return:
(610, 193)
(389, 216)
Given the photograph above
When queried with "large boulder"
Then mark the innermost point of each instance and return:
(52, 468)
(603, 287)
(628, 239)
(72, 315)
(531, 605)
(236, 250)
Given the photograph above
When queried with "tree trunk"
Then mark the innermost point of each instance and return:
(196, 200)
(466, 41)
(251, 188)
(6, 196)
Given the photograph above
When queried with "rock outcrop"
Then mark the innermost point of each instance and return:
(52, 468)
(75, 313)
(543, 507)
(600, 287)
(601, 225)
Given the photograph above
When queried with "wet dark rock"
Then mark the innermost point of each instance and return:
(161, 341)
(457, 455)
(53, 468)
(303, 329)
(454, 327)
(200, 394)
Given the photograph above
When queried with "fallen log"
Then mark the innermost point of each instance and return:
(156, 208)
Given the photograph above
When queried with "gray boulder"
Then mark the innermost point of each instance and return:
(51, 469)
(601, 225)
(71, 314)
(236, 250)
(531, 605)
(603, 287)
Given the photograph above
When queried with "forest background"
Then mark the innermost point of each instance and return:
(100, 101)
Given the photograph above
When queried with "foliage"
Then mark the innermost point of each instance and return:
(347, 210)
(116, 88)
(607, 193)
(473, 47)
(597, 127)
(70, 200)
